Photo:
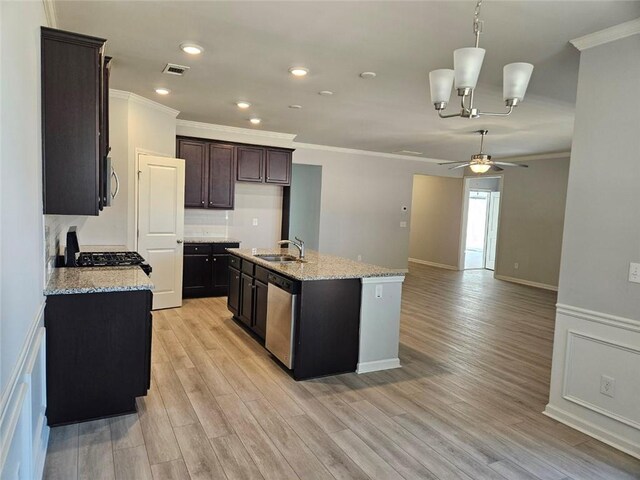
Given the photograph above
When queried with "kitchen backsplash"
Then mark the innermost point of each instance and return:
(261, 204)
(55, 231)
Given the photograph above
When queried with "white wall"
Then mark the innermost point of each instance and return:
(23, 433)
(436, 219)
(598, 316)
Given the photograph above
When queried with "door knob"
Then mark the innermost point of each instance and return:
(179, 241)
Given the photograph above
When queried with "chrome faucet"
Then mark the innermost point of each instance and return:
(299, 245)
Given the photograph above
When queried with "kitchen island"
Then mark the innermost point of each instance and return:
(346, 313)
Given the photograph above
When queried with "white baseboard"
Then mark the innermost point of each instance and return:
(377, 365)
(592, 430)
(527, 282)
(433, 264)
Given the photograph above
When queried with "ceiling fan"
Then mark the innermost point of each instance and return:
(481, 162)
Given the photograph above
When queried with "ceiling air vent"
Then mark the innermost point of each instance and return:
(174, 69)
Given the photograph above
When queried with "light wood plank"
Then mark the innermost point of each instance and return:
(95, 451)
(199, 457)
(173, 470)
(62, 454)
(235, 459)
(132, 463)
(126, 431)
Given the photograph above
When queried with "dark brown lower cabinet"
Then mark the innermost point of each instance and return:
(98, 354)
(205, 269)
(247, 298)
(233, 299)
(260, 308)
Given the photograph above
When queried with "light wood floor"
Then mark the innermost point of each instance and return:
(476, 355)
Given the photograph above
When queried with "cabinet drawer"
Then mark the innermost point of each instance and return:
(261, 274)
(234, 262)
(201, 248)
(247, 267)
(222, 247)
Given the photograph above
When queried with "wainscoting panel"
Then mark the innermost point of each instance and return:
(588, 345)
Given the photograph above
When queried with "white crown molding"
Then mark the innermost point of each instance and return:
(212, 127)
(327, 148)
(142, 101)
(622, 30)
(50, 13)
(541, 156)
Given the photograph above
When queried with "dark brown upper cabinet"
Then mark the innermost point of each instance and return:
(221, 176)
(209, 173)
(74, 128)
(250, 164)
(195, 155)
(278, 166)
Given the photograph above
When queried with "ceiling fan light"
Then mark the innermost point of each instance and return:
(441, 83)
(479, 167)
(515, 80)
(467, 63)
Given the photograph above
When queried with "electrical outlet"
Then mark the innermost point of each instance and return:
(607, 386)
(403, 224)
(634, 272)
(378, 291)
(516, 265)
(255, 222)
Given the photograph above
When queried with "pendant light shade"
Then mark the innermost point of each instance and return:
(441, 83)
(467, 63)
(479, 167)
(515, 79)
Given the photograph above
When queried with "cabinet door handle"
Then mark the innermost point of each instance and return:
(202, 202)
(206, 260)
(215, 259)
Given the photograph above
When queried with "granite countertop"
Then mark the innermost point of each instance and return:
(204, 239)
(319, 266)
(67, 281)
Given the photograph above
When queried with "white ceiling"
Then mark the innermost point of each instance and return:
(250, 46)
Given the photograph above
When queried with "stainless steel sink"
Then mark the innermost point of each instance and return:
(279, 258)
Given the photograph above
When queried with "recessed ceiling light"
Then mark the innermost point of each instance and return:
(255, 121)
(191, 48)
(243, 104)
(295, 107)
(325, 93)
(368, 75)
(298, 71)
(163, 91)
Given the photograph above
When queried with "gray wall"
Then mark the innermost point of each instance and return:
(531, 221)
(362, 199)
(602, 227)
(436, 216)
(306, 194)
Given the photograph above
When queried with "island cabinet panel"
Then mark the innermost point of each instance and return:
(327, 332)
(221, 176)
(278, 166)
(196, 188)
(235, 288)
(98, 354)
(246, 300)
(260, 308)
(73, 116)
(250, 164)
(205, 272)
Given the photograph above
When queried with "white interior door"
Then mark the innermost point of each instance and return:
(492, 230)
(161, 225)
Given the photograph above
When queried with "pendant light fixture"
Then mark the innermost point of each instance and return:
(467, 63)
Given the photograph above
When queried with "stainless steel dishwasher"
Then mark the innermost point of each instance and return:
(282, 303)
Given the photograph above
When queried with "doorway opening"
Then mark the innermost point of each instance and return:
(482, 210)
